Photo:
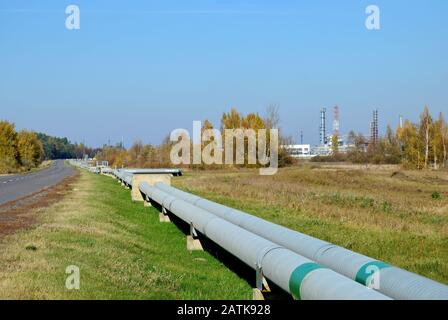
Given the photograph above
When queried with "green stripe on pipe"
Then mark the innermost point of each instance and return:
(363, 274)
(297, 276)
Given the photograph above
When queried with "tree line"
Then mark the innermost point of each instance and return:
(24, 150)
(62, 148)
(419, 145)
(147, 155)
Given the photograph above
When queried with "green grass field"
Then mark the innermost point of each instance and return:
(397, 216)
(121, 248)
(124, 252)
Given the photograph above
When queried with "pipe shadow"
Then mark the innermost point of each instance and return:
(229, 260)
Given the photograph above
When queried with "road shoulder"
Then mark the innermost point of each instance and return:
(23, 213)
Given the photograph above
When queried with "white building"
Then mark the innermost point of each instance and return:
(327, 149)
(321, 150)
(298, 150)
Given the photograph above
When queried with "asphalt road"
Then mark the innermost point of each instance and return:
(17, 186)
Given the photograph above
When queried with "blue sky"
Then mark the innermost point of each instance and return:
(140, 69)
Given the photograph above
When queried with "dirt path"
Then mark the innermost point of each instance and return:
(23, 213)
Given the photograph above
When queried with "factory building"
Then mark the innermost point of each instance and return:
(300, 151)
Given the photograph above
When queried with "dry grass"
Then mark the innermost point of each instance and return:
(384, 212)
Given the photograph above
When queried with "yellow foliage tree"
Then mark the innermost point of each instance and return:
(9, 157)
(335, 143)
(254, 122)
(424, 144)
(231, 120)
(412, 144)
(30, 149)
(439, 141)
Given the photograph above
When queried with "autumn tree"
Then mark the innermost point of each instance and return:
(335, 143)
(136, 155)
(231, 120)
(9, 156)
(439, 141)
(444, 140)
(356, 153)
(253, 122)
(30, 149)
(390, 147)
(272, 121)
(211, 146)
(412, 145)
(425, 130)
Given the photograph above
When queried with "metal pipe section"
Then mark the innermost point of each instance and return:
(127, 179)
(389, 280)
(295, 274)
(123, 176)
(174, 172)
(84, 165)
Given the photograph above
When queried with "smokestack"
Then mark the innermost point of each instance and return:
(401, 122)
(322, 129)
(374, 128)
(336, 121)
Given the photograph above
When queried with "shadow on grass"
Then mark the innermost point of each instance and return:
(229, 260)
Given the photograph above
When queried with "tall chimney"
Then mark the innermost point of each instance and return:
(336, 121)
(322, 129)
(374, 128)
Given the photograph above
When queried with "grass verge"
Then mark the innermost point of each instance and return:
(122, 250)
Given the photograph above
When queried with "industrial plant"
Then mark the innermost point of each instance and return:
(326, 141)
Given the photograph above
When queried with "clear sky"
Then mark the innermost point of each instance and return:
(140, 69)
